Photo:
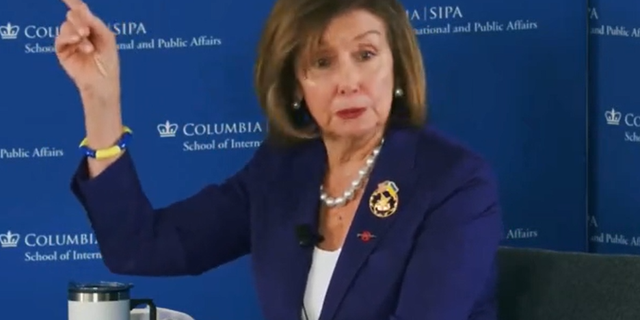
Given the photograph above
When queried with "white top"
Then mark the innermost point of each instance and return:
(318, 281)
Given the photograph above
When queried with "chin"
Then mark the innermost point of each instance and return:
(354, 130)
(362, 126)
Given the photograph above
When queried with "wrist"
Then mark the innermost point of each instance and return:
(104, 135)
(103, 130)
(99, 101)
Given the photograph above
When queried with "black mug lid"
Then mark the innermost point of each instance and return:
(98, 287)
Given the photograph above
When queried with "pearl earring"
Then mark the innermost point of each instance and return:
(296, 105)
(398, 93)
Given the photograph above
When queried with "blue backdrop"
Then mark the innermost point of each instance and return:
(506, 77)
(614, 33)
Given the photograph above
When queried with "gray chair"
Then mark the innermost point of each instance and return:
(549, 285)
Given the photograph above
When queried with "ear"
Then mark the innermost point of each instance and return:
(397, 83)
(298, 93)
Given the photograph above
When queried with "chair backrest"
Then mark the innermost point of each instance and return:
(549, 285)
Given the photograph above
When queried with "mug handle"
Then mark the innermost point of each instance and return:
(153, 313)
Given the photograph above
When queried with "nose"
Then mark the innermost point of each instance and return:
(347, 90)
(349, 79)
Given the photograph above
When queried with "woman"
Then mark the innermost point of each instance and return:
(350, 210)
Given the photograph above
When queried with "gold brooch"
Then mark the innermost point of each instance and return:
(384, 200)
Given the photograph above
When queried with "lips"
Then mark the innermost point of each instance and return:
(350, 113)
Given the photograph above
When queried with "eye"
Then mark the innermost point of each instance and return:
(366, 55)
(321, 63)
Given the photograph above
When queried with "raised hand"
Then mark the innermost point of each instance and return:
(88, 52)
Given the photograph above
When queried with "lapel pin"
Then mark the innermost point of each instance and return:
(365, 236)
(384, 200)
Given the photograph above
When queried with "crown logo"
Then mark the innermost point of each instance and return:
(613, 117)
(9, 239)
(9, 32)
(167, 129)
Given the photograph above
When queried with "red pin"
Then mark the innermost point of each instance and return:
(365, 236)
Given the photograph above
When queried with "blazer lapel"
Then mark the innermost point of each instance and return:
(301, 192)
(394, 164)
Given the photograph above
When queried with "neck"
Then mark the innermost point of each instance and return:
(346, 152)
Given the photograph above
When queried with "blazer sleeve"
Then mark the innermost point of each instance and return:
(188, 237)
(453, 260)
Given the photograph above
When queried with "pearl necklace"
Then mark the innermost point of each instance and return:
(348, 194)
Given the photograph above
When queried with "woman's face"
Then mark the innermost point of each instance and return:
(348, 87)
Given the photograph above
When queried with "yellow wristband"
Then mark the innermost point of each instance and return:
(110, 152)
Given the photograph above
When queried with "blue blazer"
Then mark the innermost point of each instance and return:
(434, 259)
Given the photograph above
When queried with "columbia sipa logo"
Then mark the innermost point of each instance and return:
(9, 31)
(167, 129)
(613, 117)
(9, 240)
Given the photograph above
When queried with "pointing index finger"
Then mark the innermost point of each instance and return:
(73, 4)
